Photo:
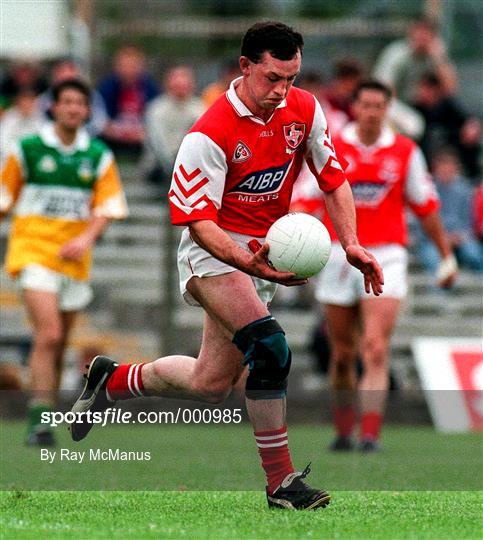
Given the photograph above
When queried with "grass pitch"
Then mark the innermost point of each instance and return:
(237, 515)
(187, 458)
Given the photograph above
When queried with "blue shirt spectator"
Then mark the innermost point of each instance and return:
(118, 96)
(456, 196)
(126, 92)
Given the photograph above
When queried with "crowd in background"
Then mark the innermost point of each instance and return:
(146, 119)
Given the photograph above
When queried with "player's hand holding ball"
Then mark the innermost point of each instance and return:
(298, 244)
(262, 268)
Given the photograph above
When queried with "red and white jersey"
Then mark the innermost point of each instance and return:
(238, 171)
(384, 178)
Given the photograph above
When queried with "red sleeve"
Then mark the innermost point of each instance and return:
(422, 210)
(180, 217)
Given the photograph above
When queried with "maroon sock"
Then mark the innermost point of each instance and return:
(126, 382)
(276, 460)
(344, 419)
(371, 425)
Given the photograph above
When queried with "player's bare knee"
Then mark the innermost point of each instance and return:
(374, 352)
(343, 358)
(49, 338)
(342, 369)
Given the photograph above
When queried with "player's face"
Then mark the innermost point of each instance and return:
(370, 108)
(269, 81)
(71, 110)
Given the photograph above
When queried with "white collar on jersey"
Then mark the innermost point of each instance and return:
(240, 107)
(349, 135)
(50, 138)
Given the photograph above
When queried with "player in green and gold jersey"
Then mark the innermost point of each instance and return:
(65, 189)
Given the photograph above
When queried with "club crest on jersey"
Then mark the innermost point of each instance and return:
(263, 182)
(47, 164)
(241, 153)
(294, 134)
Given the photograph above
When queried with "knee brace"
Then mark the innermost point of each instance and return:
(268, 357)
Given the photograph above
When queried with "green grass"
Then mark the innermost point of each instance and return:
(169, 495)
(196, 457)
(213, 515)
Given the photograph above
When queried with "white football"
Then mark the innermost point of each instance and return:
(298, 243)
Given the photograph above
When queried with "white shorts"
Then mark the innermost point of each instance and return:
(343, 285)
(195, 261)
(73, 294)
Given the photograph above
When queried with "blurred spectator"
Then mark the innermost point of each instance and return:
(402, 63)
(64, 70)
(230, 71)
(405, 119)
(336, 100)
(312, 81)
(22, 77)
(346, 77)
(478, 213)
(126, 92)
(168, 118)
(18, 121)
(447, 124)
(455, 195)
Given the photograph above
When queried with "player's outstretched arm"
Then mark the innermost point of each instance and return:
(448, 268)
(210, 237)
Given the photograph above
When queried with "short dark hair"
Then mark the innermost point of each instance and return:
(280, 40)
(445, 152)
(347, 69)
(310, 76)
(373, 84)
(71, 84)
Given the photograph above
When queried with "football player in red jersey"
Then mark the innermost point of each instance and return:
(387, 172)
(233, 178)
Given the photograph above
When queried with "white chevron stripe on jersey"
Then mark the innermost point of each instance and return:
(186, 187)
(199, 204)
(333, 162)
